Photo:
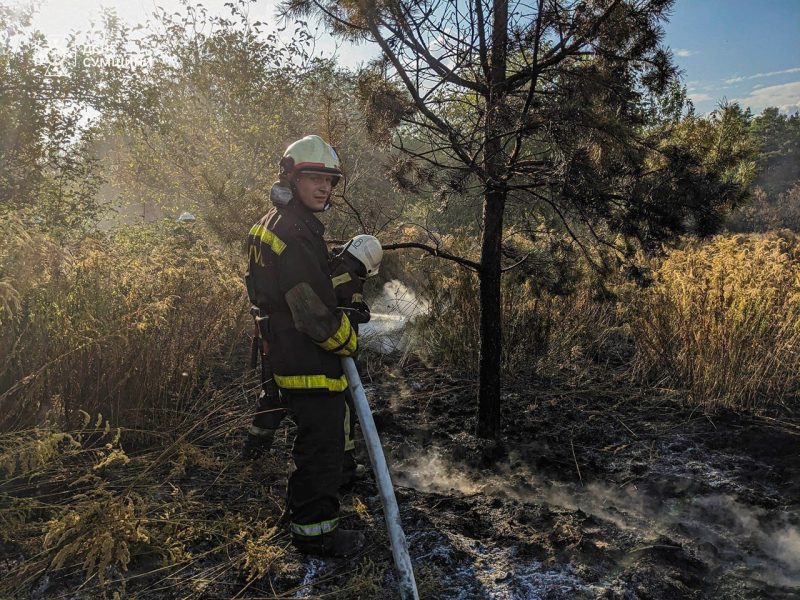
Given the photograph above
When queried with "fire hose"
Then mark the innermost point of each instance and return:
(402, 560)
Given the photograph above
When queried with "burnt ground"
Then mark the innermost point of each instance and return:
(591, 494)
(596, 491)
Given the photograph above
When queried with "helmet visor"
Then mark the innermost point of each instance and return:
(335, 173)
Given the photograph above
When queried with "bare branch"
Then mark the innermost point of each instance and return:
(433, 251)
(443, 126)
(516, 264)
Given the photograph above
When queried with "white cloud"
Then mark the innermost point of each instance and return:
(785, 96)
(700, 97)
(761, 75)
(683, 52)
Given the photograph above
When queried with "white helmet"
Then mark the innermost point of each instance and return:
(311, 155)
(367, 250)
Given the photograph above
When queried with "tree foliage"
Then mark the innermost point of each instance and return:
(778, 141)
(546, 108)
(48, 173)
(210, 111)
(203, 117)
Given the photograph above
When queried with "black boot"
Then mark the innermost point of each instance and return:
(337, 544)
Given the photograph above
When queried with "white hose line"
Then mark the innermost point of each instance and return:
(402, 561)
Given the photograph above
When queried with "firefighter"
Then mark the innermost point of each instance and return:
(289, 283)
(351, 266)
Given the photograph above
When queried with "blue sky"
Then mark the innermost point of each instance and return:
(744, 50)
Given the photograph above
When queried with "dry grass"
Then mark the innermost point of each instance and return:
(721, 325)
(126, 325)
(83, 516)
(118, 465)
(723, 322)
(147, 496)
(78, 509)
(543, 334)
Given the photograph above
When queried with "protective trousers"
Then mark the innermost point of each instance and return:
(317, 453)
(349, 461)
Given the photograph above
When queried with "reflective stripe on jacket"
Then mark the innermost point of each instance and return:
(349, 290)
(286, 248)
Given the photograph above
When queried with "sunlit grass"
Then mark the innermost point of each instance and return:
(723, 322)
(127, 325)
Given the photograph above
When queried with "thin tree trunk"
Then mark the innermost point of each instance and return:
(491, 330)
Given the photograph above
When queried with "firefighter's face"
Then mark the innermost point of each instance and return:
(314, 189)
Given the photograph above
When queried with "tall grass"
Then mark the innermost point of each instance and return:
(723, 321)
(77, 509)
(125, 324)
(543, 333)
(720, 325)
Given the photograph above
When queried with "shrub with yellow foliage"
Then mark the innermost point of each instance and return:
(723, 321)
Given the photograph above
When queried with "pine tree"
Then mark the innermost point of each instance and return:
(548, 105)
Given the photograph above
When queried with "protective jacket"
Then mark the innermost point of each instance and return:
(287, 253)
(348, 286)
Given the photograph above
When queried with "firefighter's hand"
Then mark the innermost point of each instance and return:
(357, 314)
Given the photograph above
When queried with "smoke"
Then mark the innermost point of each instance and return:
(397, 299)
(392, 310)
(768, 540)
(765, 543)
(786, 548)
(431, 473)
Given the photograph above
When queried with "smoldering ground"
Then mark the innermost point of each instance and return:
(588, 496)
(727, 535)
(582, 501)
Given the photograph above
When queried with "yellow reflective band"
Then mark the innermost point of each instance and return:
(345, 348)
(350, 347)
(312, 529)
(270, 239)
(310, 382)
(342, 334)
(340, 279)
(357, 298)
(340, 338)
(255, 254)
